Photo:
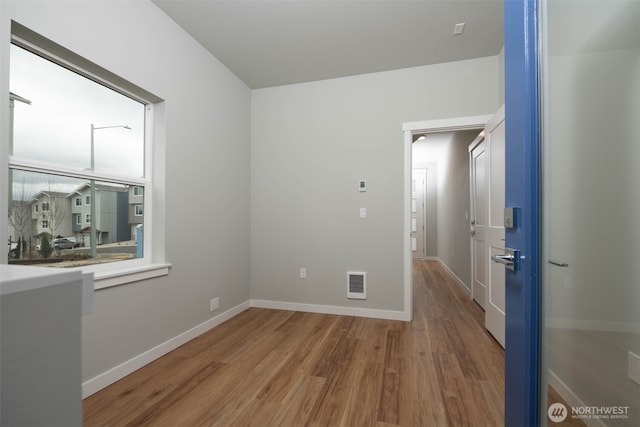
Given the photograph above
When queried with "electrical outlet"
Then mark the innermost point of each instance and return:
(303, 273)
(214, 304)
(634, 367)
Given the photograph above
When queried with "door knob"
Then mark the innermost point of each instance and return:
(509, 259)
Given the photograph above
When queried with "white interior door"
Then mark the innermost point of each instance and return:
(418, 228)
(495, 236)
(478, 187)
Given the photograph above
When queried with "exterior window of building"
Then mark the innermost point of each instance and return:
(82, 140)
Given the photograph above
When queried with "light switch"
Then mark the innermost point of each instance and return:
(363, 213)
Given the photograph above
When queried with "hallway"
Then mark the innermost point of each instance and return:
(272, 367)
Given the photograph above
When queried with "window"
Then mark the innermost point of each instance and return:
(80, 132)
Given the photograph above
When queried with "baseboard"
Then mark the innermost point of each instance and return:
(109, 377)
(331, 309)
(456, 278)
(571, 398)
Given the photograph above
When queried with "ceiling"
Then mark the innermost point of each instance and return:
(271, 43)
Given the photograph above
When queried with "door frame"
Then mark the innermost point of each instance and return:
(409, 129)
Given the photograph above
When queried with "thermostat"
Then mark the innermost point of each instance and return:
(362, 185)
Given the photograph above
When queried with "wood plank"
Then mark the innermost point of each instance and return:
(299, 403)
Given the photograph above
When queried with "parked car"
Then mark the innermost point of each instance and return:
(64, 243)
(73, 240)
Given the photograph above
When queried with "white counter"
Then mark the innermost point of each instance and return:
(19, 278)
(40, 345)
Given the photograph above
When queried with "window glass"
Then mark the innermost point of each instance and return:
(69, 223)
(56, 127)
(76, 167)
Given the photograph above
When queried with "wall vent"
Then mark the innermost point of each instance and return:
(356, 285)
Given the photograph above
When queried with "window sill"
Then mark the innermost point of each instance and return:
(107, 279)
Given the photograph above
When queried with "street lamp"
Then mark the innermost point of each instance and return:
(94, 243)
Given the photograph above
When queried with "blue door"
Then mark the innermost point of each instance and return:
(522, 288)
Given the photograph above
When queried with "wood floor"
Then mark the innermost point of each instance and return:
(279, 368)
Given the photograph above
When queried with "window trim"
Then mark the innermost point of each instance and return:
(152, 264)
(135, 209)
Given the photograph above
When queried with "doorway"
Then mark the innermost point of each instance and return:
(411, 131)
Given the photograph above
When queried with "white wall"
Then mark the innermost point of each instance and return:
(311, 143)
(454, 248)
(206, 204)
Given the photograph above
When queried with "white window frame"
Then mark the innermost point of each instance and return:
(45, 205)
(44, 223)
(78, 219)
(135, 191)
(87, 200)
(135, 210)
(87, 218)
(78, 201)
(126, 271)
